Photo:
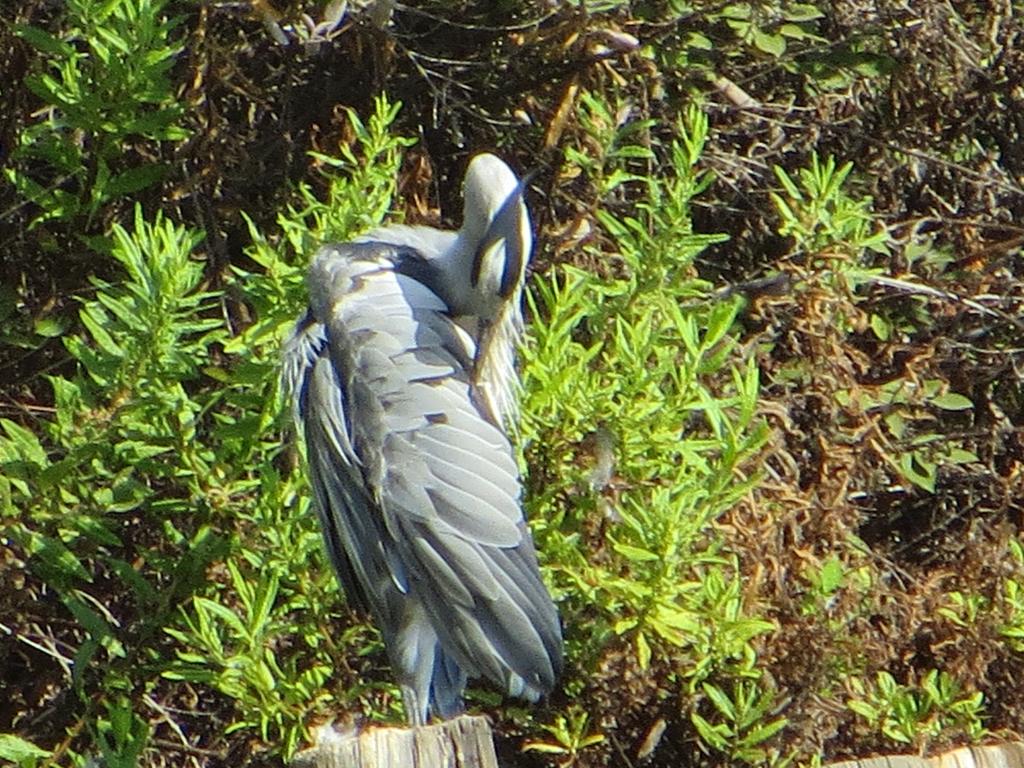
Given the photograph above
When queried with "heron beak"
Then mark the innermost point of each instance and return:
(505, 226)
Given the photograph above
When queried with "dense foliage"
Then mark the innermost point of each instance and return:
(773, 410)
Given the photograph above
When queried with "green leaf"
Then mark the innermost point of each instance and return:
(56, 556)
(795, 32)
(20, 751)
(722, 316)
(831, 575)
(50, 327)
(699, 41)
(788, 185)
(773, 44)
(28, 444)
(91, 621)
(97, 328)
(918, 471)
(544, 748)
(97, 530)
(722, 702)
(881, 327)
(961, 456)
(135, 179)
(228, 616)
(738, 11)
(764, 732)
(863, 709)
(802, 12)
(951, 401)
(635, 553)
(43, 40)
(643, 651)
(716, 736)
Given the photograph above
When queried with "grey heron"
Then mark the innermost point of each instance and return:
(403, 381)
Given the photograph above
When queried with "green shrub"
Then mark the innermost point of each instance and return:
(643, 360)
(104, 84)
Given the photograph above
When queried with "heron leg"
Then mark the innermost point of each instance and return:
(447, 686)
(415, 706)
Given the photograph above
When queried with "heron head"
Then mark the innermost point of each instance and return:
(496, 226)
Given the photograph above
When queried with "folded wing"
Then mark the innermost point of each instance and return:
(417, 492)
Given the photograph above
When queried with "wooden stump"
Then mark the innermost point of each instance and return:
(994, 756)
(464, 742)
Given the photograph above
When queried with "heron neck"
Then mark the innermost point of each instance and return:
(458, 263)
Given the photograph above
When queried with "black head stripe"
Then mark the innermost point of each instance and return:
(506, 220)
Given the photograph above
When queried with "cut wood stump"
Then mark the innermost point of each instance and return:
(994, 756)
(465, 742)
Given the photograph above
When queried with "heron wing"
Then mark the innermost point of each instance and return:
(344, 509)
(420, 492)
